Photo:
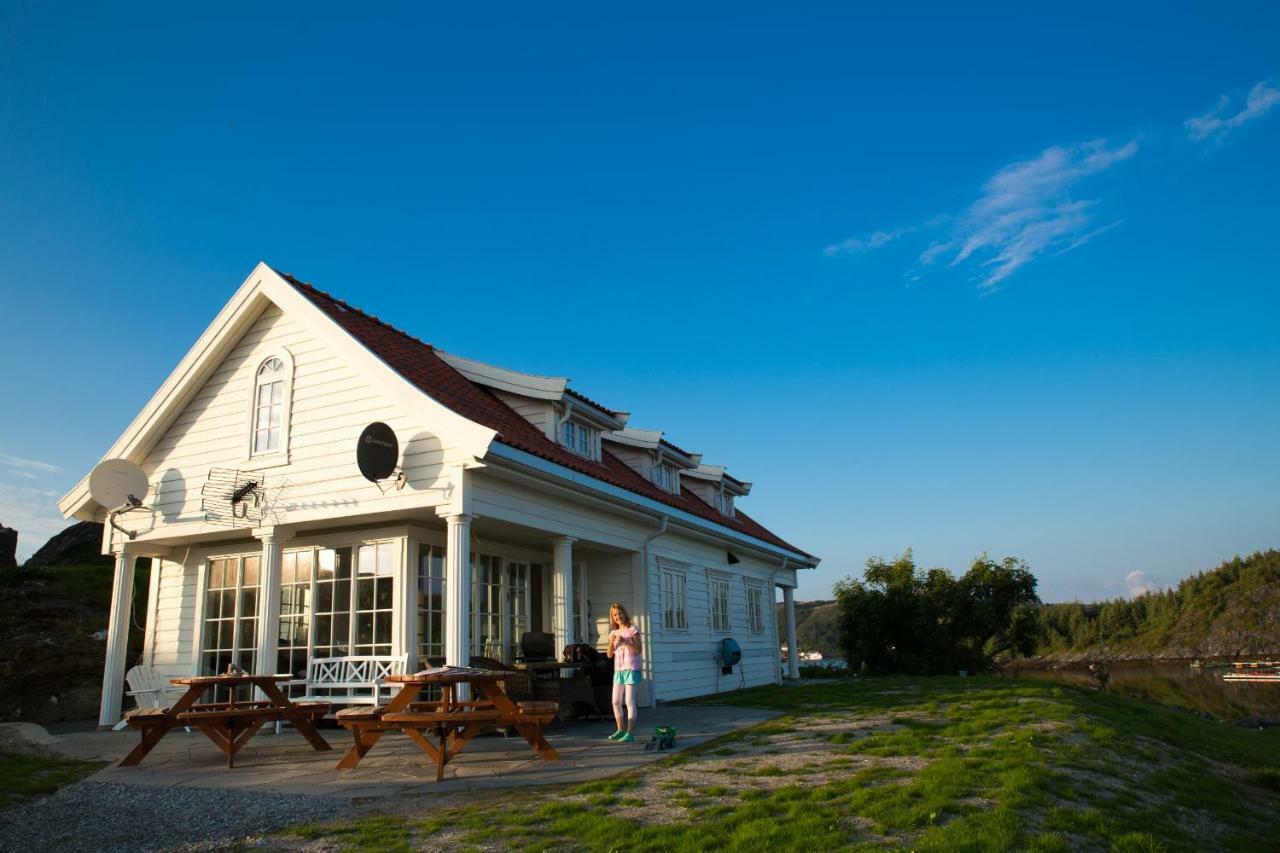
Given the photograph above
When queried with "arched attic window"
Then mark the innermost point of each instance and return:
(269, 407)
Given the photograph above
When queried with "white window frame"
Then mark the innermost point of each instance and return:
(755, 608)
(580, 438)
(280, 455)
(241, 645)
(724, 503)
(674, 585)
(720, 618)
(666, 477)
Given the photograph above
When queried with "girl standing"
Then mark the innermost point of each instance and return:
(624, 648)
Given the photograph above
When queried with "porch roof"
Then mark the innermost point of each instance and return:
(420, 364)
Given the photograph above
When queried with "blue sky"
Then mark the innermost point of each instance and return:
(937, 278)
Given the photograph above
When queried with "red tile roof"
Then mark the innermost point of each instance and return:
(418, 363)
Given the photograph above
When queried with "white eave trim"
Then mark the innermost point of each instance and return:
(265, 285)
(651, 440)
(586, 481)
(511, 381)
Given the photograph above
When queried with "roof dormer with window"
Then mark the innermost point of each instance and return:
(714, 485)
(652, 457)
(566, 417)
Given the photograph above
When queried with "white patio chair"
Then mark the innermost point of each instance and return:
(150, 690)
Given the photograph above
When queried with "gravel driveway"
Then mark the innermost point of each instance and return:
(100, 816)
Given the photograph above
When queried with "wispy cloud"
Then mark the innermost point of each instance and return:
(868, 243)
(33, 512)
(1140, 583)
(1027, 209)
(1219, 121)
(18, 462)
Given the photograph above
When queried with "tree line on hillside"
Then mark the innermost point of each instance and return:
(1233, 609)
(900, 618)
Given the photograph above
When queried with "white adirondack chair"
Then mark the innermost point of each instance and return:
(150, 690)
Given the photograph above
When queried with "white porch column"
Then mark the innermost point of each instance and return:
(117, 638)
(272, 539)
(407, 606)
(793, 651)
(562, 591)
(457, 589)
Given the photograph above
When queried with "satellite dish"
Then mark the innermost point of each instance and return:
(118, 482)
(377, 452)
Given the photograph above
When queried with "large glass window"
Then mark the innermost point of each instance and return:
(294, 644)
(486, 606)
(516, 615)
(331, 632)
(431, 613)
(581, 628)
(374, 602)
(230, 615)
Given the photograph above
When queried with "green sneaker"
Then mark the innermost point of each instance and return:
(626, 738)
(617, 735)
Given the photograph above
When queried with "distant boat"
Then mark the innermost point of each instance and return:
(1254, 677)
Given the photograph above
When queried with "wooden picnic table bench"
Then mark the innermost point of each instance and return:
(453, 722)
(228, 724)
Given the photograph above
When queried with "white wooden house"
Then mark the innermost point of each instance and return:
(524, 504)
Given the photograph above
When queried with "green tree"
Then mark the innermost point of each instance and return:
(901, 619)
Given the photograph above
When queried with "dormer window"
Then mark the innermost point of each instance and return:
(581, 439)
(269, 407)
(667, 478)
(724, 503)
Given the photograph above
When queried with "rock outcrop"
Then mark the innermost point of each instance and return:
(8, 547)
(81, 543)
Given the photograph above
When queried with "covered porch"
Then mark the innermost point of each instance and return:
(272, 602)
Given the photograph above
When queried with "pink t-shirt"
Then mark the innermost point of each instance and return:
(625, 657)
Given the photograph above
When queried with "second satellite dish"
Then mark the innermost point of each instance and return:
(378, 452)
(118, 482)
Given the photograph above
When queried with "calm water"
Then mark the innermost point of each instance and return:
(1179, 684)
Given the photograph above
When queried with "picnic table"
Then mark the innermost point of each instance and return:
(228, 724)
(452, 721)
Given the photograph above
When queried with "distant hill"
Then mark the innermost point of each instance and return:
(53, 619)
(816, 627)
(1232, 610)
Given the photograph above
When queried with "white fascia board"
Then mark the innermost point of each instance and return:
(454, 429)
(235, 317)
(651, 439)
(646, 439)
(264, 285)
(586, 481)
(718, 474)
(511, 381)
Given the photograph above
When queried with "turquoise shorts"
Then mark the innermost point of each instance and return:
(627, 676)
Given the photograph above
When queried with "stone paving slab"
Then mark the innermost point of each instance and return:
(285, 764)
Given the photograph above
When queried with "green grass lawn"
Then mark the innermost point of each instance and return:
(897, 763)
(23, 777)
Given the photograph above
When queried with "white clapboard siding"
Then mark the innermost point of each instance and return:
(640, 461)
(540, 413)
(330, 404)
(686, 661)
(608, 580)
(174, 642)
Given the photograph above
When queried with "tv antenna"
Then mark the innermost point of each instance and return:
(119, 486)
(233, 497)
(378, 456)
